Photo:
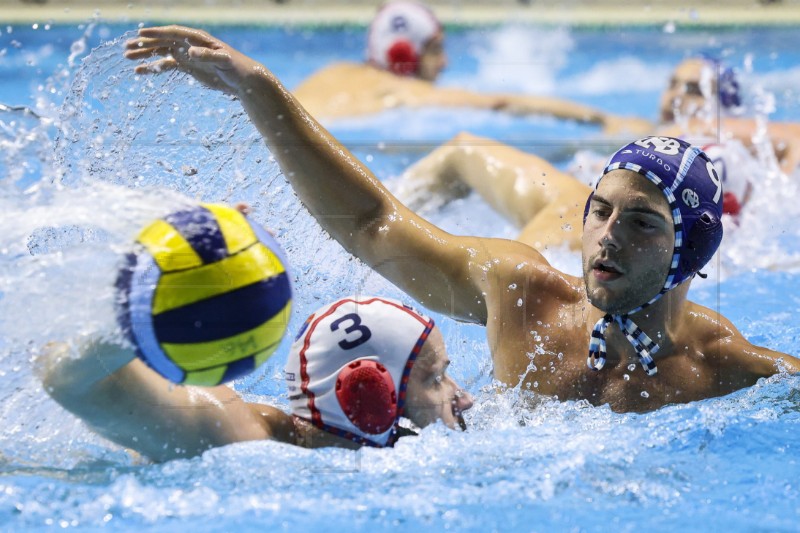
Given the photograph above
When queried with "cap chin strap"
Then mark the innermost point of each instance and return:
(644, 346)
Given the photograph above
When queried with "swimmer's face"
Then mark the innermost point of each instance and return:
(432, 58)
(431, 394)
(628, 242)
(691, 92)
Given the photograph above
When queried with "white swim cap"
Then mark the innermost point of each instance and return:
(348, 368)
(736, 168)
(398, 34)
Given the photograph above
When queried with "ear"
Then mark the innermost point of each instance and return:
(402, 58)
(366, 394)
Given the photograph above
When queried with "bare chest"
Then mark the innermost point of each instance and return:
(548, 355)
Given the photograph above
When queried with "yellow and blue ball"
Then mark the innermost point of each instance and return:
(206, 296)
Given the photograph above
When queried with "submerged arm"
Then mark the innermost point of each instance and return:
(125, 401)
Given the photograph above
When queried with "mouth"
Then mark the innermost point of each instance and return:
(457, 413)
(606, 270)
(461, 422)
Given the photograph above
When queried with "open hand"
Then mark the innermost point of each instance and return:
(209, 60)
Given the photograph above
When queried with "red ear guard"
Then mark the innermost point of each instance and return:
(366, 393)
(402, 58)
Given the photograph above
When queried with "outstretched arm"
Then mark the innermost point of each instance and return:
(125, 401)
(444, 272)
(534, 194)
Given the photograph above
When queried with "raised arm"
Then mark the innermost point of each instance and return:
(118, 396)
(440, 270)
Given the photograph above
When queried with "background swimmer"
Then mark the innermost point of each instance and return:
(545, 202)
(703, 102)
(639, 253)
(405, 55)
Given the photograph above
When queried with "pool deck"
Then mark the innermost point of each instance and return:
(464, 12)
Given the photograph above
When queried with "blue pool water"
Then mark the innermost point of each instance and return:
(110, 151)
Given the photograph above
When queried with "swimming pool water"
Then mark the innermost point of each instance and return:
(112, 151)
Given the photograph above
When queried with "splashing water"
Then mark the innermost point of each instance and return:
(522, 59)
(123, 150)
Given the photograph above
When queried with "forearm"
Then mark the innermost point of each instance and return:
(338, 190)
(555, 107)
(69, 372)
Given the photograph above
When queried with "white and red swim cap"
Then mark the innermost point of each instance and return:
(736, 168)
(397, 35)
(348, 368)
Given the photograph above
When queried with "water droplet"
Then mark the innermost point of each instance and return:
(519, 302)
(644, 394)
(632, 367)
(626, 377)
(512, 286)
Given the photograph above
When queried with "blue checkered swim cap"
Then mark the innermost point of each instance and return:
(689, 181)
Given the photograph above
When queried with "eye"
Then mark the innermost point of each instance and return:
(601, 212)
(693, 88)
(643, 224)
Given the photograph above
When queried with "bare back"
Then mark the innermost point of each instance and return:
(352, 89)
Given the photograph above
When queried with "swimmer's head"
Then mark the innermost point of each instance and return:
(361, 363)
(697, 88)
(656, 215)
(406, 38)
(652, 222)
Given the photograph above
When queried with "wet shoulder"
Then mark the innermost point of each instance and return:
(522, 272)
(708, 326)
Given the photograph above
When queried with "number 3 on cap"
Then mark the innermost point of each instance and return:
(364, 332)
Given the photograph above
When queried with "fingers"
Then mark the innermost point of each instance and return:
(243, 208)
(208, 55)
(193, 36)
(145, 53)
(155, 67)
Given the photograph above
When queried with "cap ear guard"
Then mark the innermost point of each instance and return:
(402, 59)
(729, 92)
(701, 244)
(367, 396)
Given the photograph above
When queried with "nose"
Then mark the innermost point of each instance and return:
(463, 400)
(609, 237)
